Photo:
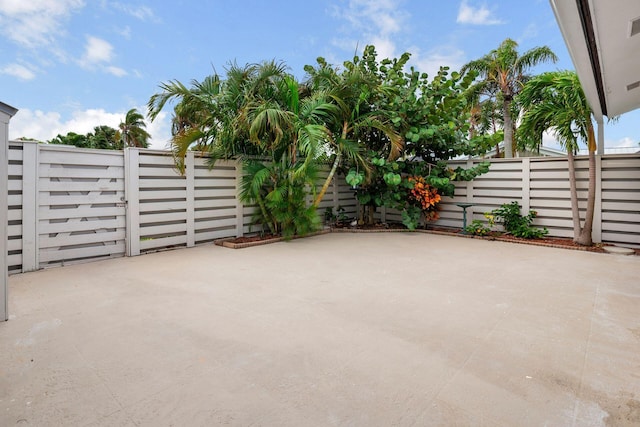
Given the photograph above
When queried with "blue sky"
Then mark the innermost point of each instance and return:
(70, 65)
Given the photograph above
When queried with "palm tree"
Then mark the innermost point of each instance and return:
(133, 131)
(503, 71)
(485, 113)
(555, 101)
(258, 110)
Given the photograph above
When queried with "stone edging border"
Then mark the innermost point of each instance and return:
(507, 240)
(227, 243)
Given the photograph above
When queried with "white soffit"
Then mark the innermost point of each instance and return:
(615, 52)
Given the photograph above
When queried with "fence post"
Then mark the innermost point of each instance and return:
(190, 169)
(239, 205)
(526, 185)
(6, 112)
(132, 199)
(596, 231)
(30, 196)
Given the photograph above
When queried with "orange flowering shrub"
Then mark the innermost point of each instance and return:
(424, 197)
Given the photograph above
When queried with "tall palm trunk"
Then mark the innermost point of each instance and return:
(575, 211)
(334, 168)
(328, 180)
(508, 128)
(585, 237)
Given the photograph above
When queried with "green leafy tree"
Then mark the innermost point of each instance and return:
(503, 72)
(431, 114)
(555, 102)
(71, 138)
(103, 137)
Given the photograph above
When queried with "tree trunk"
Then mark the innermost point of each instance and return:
(575, 211)
(508, 129)
(586, 237)
(265, 215)
(327, 181)
(371, 218)
(336, 162)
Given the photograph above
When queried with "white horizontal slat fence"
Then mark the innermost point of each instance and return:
(68, 205)
(542, 184)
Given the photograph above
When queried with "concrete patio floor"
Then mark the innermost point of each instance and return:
(350, 330)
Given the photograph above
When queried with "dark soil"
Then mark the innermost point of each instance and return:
(255, 238)
(556, 242)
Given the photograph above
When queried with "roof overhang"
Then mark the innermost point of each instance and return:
(7, 109)
(603, 39)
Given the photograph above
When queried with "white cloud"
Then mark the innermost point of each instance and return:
(143, 13)
(116, 71)
(19, 71)
(96, 51)
(431, 61)
(160, 130)
(371, 22)
(44, 126)
(619, 146)
(623, 145)
(99, 53)
(548, 140)
(35, 23)
(124, 32)
(530, 32)
(385, 47)
(475, 15)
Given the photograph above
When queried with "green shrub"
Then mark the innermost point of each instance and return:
(515, 224)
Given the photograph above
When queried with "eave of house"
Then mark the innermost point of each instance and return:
(7, 109)
(603, 39)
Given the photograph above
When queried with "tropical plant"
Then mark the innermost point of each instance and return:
(516, 224)
(512, 221)
(133, 131)
(206, 116)
(555, 102)
(503, 73)
(278, 189)
(479, 228)
(259, 110)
